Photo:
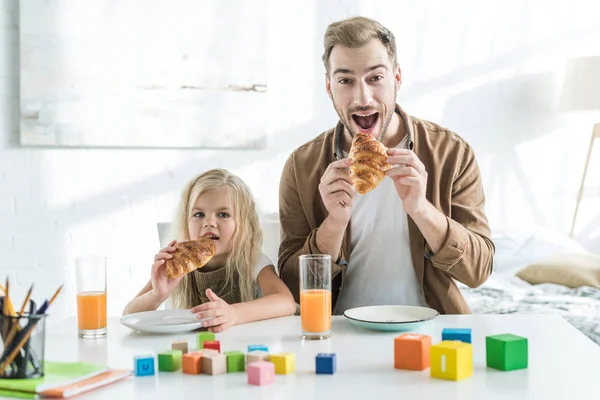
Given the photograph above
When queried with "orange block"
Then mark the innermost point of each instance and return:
(192, 363)
(411, 351)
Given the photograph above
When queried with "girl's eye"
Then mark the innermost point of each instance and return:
(224, 215)
(199, 215)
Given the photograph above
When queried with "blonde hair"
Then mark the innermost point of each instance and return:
(246, 241)
(356, 32)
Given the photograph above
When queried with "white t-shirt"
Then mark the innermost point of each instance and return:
(380, 271)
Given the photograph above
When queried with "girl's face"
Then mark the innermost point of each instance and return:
(212, 216)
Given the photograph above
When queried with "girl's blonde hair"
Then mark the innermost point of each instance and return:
(246, 241)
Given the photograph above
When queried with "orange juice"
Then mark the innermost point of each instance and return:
(91, 310)
(315, 310)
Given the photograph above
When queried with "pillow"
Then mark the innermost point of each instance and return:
(568, 269)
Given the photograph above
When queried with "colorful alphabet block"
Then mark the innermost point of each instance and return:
(214, 364)
(257, 347)
(325, 363)
(261, 373)
(180, 345)
(202, 337)
(411, 351)
(257, 355)
(506, 352)
(452, 360)
(192, 363)
(285, 363)
(170, 361)
(235, 361)
(212, 344)
(143, 365)
(460, 334)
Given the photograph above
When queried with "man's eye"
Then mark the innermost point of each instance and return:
(344, 81)
(224, 215)
(377, 78)
(199, 215)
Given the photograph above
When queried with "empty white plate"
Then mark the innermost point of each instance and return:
(162, 321)
(390, 318)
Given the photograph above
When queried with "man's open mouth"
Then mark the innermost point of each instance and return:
(366, 122)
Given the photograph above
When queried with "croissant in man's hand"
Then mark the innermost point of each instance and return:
(369, 163)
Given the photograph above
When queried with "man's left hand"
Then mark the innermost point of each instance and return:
(410, 178)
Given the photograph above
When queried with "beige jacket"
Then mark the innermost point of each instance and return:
(454, 187)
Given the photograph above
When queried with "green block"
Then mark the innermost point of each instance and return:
(170, 361)
(202, 337)
(506, 352)
(235, 361)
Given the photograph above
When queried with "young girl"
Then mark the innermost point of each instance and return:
(239, 284)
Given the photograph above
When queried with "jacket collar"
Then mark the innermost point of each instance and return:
(338, 134)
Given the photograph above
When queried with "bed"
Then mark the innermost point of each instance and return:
(505, 293)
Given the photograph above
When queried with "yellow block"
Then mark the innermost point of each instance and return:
(285, 363)
(451, 360)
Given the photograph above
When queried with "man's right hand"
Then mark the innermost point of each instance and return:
(337, 191)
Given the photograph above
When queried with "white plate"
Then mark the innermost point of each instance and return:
(162, 321)
(390, 318)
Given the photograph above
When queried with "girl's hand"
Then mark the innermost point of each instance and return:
(161, 285)
(222, 314)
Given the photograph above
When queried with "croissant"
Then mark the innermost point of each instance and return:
(369, 163)
(189, 255)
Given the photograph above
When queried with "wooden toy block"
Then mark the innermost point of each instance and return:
(411, 351)
(214, 345)
(170, 361)
(192, 363)
(180, 345)
(452, 360)
(326, 363)
(256, 347)
(285, 363)
(143, 365)
(202, 337)
(235, 361)
(461, 334)
(214, 364)
(257, 355)
(261, 373)
(208, 351)
(506, 352)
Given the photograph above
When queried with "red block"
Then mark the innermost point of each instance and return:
(213, 344)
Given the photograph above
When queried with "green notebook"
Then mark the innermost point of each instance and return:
(55, 374)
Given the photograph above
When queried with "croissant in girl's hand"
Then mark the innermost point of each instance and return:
(190, 255)
(369, 163)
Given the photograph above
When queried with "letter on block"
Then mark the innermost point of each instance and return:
(261, 373)
(235, 361)
(170, 361)
(256, 347)
(214, 364)
(285, 363)
(180, 345)
(460, 334)
(257, 355)
(411, 351)
(506, 352)
(452, 360)
(214, 345)
(143, 365)
(326, 363)
(192, 363)
(202, 337)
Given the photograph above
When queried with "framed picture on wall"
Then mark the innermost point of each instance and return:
(143, 73)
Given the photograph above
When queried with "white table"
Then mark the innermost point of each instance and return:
(563, 363)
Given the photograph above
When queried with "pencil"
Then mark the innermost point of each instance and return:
(55, 294)
(15, 326)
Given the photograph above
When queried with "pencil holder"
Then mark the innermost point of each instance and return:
(23, 339)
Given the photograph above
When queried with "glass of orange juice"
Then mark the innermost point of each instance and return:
(90, 272)
(315, 296)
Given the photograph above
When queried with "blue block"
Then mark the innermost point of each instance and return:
(460, 334)
(326, 363)
(143, 365)
(254, 347)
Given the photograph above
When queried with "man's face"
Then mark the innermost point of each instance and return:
(362, 83)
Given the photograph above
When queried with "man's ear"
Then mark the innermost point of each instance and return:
(398, 76)
(328, 85)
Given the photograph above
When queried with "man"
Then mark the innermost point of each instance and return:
(421, 228)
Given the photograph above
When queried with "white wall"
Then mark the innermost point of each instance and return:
(492, 72)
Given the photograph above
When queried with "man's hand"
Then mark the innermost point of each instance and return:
(222, 314)
(410, 179)
(337, 191)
